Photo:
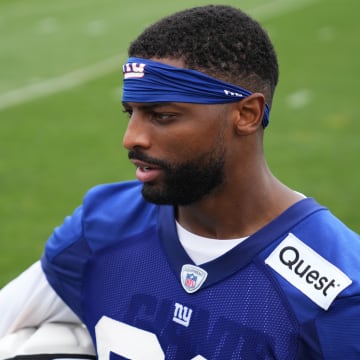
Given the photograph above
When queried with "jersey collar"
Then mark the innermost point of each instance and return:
(242, 254)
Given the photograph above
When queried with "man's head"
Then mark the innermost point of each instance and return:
(220, 41)
(195, 87)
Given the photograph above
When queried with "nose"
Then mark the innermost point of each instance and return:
(137, 132)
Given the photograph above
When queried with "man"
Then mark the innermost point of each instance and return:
(207, 255)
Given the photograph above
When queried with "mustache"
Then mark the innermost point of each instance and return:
(139, 155)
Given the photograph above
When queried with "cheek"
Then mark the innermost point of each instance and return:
(190, 144)
(178, 148)
(177, 141)
(191, 136)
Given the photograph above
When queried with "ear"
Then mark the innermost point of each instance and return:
(250, 112)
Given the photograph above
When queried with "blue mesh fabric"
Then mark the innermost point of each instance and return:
(241, 317)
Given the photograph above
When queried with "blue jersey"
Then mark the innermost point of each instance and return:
(289, 291)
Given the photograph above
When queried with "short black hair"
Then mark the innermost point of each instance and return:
(219, 40)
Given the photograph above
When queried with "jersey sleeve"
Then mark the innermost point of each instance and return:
(64, 260)
(28, 300)
(339, 330)
(105, 217)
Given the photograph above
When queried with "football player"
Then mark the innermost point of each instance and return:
(207, 255)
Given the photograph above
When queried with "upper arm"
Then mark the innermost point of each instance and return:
(29, 300)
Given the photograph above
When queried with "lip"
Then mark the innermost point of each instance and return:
(146, 172)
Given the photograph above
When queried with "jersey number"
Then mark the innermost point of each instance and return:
(136, 344)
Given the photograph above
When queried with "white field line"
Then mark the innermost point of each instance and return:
(63, 82)
(78, 77)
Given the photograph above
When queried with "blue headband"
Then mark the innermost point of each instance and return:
(151, 81)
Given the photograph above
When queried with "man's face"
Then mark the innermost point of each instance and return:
(179, 150)
(183, 181)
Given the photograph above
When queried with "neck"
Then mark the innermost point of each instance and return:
(240, 207)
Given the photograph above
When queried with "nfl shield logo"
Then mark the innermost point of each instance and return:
(190, 281)
(192, 277)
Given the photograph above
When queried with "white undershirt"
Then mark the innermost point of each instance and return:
(202, 249)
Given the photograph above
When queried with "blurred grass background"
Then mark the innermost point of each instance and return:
(55, 146)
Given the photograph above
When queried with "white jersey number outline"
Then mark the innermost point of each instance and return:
(136, 344)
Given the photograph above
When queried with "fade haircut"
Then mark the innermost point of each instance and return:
(218, 40)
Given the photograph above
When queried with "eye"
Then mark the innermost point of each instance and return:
(163, 117)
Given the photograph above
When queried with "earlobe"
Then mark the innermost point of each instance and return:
(250, 112)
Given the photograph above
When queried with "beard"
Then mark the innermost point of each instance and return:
(187, 182)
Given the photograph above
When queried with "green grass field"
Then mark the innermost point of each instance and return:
(61, 122)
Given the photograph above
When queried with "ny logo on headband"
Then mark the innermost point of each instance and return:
(133, 70)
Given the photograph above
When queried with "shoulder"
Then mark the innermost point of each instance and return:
(118, 198)
(324, 233)
(108, 213)
(332, 239)
(114, 191)
(316, 264)
(330, 274)
(319, 258)
(113, 209)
